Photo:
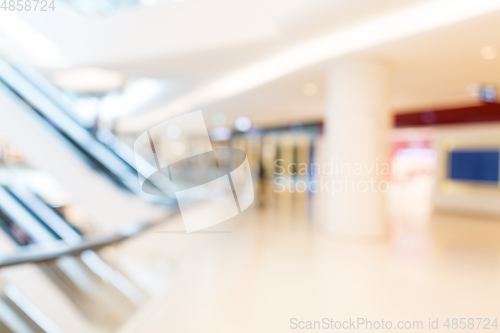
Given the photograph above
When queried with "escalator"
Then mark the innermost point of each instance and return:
(101, 293)
(18, 314)
(40, 120)
(98, 172)
(111, 157)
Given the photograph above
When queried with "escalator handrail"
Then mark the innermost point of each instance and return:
(56, 249)
(117, 161)
(67, 125)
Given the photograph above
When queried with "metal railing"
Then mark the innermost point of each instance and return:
(56, 249)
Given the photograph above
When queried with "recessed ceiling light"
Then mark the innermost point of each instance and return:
(488, 53)
(174, 132)
(178, 148)
(222, 133)
(243, 124)
(310, 89)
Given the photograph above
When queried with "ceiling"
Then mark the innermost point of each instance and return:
(197, 42)
(191, 29)
(431, 70)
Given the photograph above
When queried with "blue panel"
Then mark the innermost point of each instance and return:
(474, 165)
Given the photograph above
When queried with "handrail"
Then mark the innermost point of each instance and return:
(49, 251)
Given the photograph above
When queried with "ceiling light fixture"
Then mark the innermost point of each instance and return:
(243, 124)
(88, 80)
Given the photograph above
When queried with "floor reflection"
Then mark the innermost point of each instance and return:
(277, 264)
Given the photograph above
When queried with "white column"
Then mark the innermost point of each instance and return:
(356, 144)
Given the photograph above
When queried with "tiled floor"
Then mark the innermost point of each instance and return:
(276, 265)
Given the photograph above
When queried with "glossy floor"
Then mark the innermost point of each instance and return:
(277, 265)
